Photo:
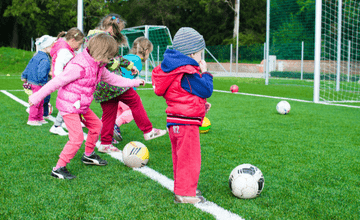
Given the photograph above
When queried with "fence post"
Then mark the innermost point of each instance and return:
(230, 57)
(302, 59)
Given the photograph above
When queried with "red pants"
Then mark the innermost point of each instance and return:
(36, 112)
(186, 155)
(109, 108)
(76, 135)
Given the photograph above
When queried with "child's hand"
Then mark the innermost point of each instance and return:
(203, 66)
(134, 71)
(142, 82)
(207, 107)
(30, 103)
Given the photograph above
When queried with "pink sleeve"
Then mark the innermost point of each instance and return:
(71, 73)
(119, 81)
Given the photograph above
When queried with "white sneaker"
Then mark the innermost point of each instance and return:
(154, 133)
(107, 148)
(58, 130)
(43, 122)
(34, 123)
(28, 110)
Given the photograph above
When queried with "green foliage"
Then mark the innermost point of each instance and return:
(13, 61)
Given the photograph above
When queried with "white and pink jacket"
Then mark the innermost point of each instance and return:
(78, 82)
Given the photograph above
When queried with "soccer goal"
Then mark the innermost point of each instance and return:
(337, 51)
(159, 36)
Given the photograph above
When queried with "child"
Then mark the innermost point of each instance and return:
(36, 75)
(140, 51)
(76, 87)
(109, 96)
(184, 83)
(62, 52)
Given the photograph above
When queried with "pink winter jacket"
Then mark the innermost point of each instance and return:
(78, 83)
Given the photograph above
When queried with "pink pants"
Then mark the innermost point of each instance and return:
(123, 115)
(76, 135)
(36, 112)
(109, 108)
(186, 155)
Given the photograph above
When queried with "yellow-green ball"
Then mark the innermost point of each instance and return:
(205, 127)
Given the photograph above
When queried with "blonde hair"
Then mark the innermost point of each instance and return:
(73, 33)
(117, 23)
(102, 46)
(140, 45)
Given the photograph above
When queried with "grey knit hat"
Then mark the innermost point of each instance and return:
(188, 41)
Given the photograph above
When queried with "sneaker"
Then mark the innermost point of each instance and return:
(34, 123)
(117, 133)
(189, 199)
(43, 121)
(154, 133)
(28, 109)
(93, 159)
(198, 192)
(46, 117)
(107, 148)
(62, 173)
(58, 130)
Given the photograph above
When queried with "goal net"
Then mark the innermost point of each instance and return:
(338, 67)
(159, 36)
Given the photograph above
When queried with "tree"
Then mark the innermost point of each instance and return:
(39, 17)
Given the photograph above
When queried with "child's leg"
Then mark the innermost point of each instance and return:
(93, 123)
(109, 109)
(76, 137)
(124, 118)
(132, 99)
(186, 154)
(58, 120)
(46, 105)
(34, 110)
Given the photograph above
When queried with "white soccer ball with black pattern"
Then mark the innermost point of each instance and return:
(283, 107)
(246, 181)
(135, 154)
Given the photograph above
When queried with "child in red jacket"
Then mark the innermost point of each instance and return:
(182, 79)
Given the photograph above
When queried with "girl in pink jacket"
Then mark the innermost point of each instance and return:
(76, 87)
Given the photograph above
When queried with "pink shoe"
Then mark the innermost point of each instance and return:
(107, 148)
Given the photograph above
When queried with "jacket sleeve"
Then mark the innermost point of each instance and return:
(117, 80)
(118, 62)
(199, 85)
(43, 70)
(70, 74)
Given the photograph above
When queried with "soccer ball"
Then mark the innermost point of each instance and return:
(283, 107)
(205, 127)
(234, 88)
(135, 154)
(50, 109)
(246, 181)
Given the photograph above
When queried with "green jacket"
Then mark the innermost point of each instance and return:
(105, 91)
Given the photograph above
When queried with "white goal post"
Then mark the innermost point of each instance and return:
(337, 51)
(159, 36)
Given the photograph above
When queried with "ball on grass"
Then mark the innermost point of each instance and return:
(234, 88)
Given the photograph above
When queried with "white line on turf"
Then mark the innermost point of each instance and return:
(209, 207)
(297, 100)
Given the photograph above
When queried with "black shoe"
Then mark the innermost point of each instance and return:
(117, 133)
(93, 159)
(62, 173)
